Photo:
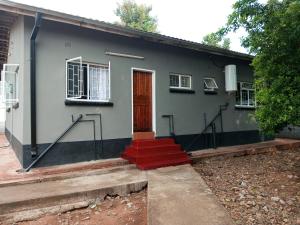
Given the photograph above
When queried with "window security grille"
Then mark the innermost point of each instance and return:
(87, 82)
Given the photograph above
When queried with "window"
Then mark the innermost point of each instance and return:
(245, 96)
(210, 84)
(180, 81)
(87, 82)
(9, 83)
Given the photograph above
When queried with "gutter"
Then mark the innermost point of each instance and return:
(35, 30)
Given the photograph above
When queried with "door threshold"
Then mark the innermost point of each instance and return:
(143, 135)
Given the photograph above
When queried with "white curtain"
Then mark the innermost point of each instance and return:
(98, 83)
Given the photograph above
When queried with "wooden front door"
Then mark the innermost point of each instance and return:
(142, 101)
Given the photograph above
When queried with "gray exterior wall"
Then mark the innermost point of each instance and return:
(57, 42)
(53, 116)
(16, 55)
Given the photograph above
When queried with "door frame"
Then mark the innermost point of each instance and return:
(153, 97)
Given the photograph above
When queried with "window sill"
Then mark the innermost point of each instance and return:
(181, 90)
(207, 92)
(241, 107)
(87, 103)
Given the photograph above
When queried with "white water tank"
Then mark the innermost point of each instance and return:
(230, 78)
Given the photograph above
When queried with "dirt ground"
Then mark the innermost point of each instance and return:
(130, 210)
(257, 189)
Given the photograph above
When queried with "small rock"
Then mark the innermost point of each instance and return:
(290, 176)
(275, 199)
(251, 203)
(243, 184)
(259, 197)
(265, 208)
(129, 204)
(290, 202)
(92, 206)
(258, 215)
(282, 202)
(85, 218)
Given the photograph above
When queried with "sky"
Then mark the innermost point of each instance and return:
(188, 19)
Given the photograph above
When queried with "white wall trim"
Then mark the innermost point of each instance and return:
(153, 97)
(124, 55)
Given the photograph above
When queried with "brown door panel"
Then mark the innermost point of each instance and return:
(142, 101)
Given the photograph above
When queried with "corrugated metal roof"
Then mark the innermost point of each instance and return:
(27, 10)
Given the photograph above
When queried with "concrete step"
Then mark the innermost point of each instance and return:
(163, 163)
(33, 196)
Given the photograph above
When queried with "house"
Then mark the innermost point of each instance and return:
(97, 85)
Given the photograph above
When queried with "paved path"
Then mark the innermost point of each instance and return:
(179, 196)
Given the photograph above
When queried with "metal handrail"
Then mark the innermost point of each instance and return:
(212, 125)
(54, 143)
(94, 133)
(101, 129)
(171, 124)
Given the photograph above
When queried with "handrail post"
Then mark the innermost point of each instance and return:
(171, 124)
(213, 127)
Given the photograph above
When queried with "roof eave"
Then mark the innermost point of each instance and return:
(26, 10)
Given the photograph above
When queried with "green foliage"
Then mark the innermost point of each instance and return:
(274, 36)
(214, 39)
(136, 16)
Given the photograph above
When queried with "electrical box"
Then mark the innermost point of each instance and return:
(230, 78)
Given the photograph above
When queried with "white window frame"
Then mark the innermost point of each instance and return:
(75, 99)
(240, 105)
(80, 74)
(179, 82)
(206, 88)
(3, 83)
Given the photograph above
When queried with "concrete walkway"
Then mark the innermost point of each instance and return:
(176, 195)
(179, 196)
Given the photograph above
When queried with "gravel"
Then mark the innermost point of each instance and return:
(257, 189)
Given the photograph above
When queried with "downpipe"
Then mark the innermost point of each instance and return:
(34, 33)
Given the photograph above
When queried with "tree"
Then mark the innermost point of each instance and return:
(136, 16)
(273, 30)
(213, 39)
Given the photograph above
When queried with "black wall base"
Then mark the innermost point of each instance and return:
(205, 141)
(79, 151)
(16, 145)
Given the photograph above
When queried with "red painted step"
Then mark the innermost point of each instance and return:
(155, 153)
(154, 142)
